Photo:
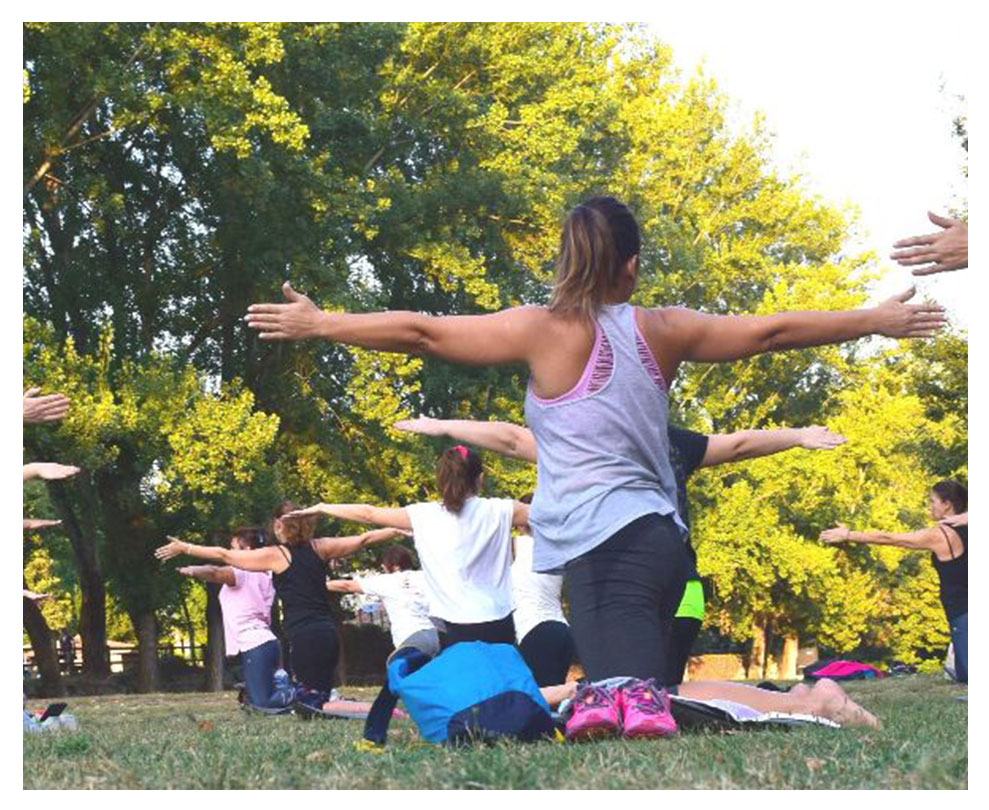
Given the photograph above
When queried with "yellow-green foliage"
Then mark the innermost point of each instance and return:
(40, 577)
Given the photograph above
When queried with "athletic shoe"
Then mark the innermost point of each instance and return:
(596, 713)
(646, 710)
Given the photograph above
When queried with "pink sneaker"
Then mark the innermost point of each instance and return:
(596, 713)
(646, 710)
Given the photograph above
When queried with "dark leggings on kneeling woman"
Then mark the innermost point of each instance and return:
(623, 596)
(500, 631)
(315, 650)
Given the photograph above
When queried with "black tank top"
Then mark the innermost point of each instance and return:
(302, 589)
(953, 576)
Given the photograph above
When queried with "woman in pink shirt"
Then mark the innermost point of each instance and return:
(245, 599)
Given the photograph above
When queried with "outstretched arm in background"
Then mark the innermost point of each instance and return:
(48, 470)
(928, 539)
(220, 574)
(936, 252)
(331, 548)
(259, 559)
(343, 586)
(393, 517)
(505, 438)
(725, 448)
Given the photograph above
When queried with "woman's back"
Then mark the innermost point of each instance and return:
(302, 589)
(466, 558)
(246, 608)
(953, 576)
(603, 446)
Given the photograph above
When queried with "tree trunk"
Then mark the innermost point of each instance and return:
(771, 669)
(214, 639)
(43, 644)
(81, 531)
(146, 627)
(788, 661)
(757, 658)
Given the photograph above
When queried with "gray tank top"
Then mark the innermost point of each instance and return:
(604, 457)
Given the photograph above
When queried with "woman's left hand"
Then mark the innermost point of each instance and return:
(840, 534)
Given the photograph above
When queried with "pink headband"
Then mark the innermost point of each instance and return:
(462, 450)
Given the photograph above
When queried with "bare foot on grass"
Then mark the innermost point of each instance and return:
(829, 700)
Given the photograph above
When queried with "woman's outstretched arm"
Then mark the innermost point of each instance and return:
(726, 448)
(923, 540)
(676, 335)
(260, 559)
(505, 438)
(392, 517)
(220, 574)
(502, 337)
(343, 586)
(331, 548)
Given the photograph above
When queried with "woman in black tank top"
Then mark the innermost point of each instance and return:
(298, 564)
(947, 541)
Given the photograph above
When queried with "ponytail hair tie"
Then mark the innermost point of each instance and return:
(462, 450)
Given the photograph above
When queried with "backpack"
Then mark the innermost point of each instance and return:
(472, 690)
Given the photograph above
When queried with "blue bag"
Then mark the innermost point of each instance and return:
(472, 690)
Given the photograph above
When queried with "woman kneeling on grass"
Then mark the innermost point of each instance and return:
(948, 544)
(604, 511)
(298, 565)
(245, 599)
(464, 543)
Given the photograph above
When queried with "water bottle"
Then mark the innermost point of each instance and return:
(282, 679)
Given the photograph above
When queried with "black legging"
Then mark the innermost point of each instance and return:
(315, 650)
(548, 650)
(500, 631)
(685, 632)
(623, 596)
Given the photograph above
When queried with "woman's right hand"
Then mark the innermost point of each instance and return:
(423, 425)
(840, 534)
(173, 548)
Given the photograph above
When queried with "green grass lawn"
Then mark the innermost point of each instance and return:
(205, 741)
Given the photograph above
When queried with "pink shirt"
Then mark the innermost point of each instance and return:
(247, 610)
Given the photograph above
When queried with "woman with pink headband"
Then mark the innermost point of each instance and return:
(464, 543)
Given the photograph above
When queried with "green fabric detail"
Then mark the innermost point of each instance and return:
(692, 604)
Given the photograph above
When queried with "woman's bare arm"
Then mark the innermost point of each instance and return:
(676, 335)
(393, 517)
(260, 559)
(726, 448)
(330, 548)
(504, 438)
(343, 586)
(502, 337)
(924, 540)
(220, 574)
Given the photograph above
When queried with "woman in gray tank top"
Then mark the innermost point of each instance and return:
(597, 403)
